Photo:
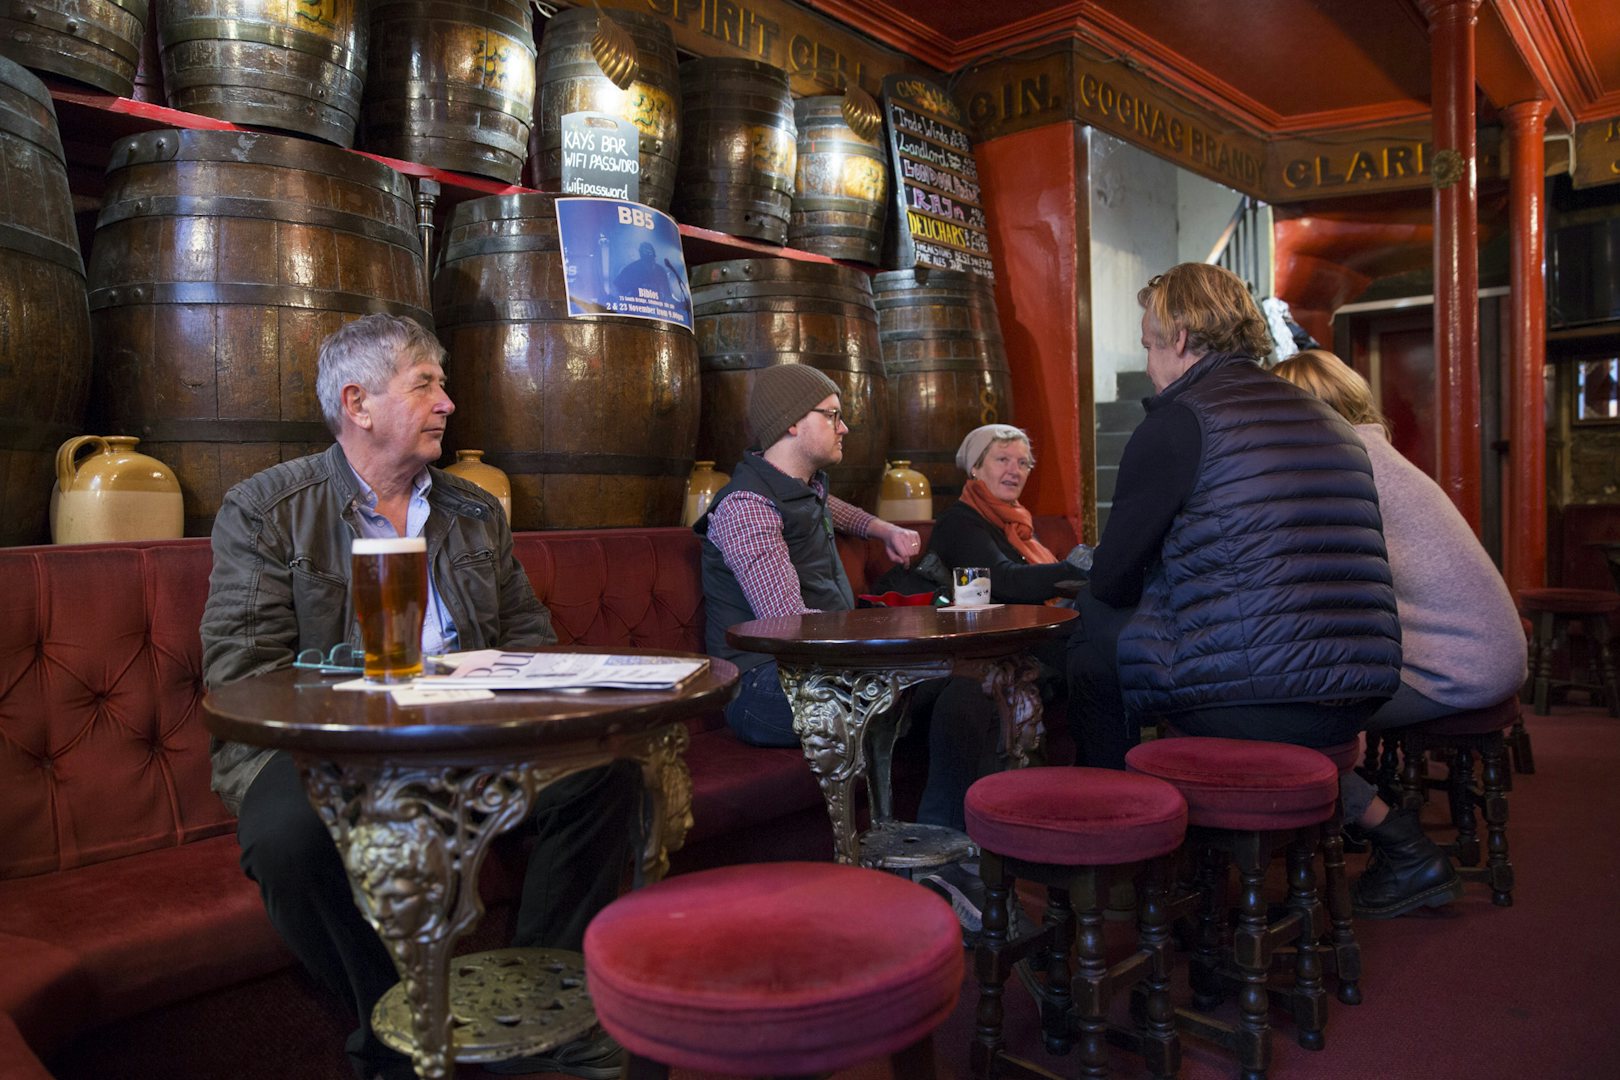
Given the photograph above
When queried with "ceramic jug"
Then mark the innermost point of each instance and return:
(471, 467)
(113, 493)
(701, 487)
(905, 495)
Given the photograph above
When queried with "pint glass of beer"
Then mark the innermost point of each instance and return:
(390, 599)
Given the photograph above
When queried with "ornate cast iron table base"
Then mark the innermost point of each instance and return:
(848, 719)
(504, 1003)
(413, 837)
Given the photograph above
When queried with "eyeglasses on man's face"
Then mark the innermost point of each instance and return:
(833, 415)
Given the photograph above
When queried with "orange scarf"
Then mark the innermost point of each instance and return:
(1013, 518)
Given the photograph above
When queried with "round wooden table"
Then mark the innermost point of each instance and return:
(413, 795)
(847, 675)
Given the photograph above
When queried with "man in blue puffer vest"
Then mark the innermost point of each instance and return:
(1242, 588)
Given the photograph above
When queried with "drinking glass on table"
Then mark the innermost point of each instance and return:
(970, 586)
(390, 600)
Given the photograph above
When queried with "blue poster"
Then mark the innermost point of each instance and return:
(623, 258)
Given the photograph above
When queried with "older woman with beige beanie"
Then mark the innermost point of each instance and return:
(989, 527)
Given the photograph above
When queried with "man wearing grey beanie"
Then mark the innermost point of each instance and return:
(768, 545)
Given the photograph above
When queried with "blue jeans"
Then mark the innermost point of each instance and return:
(760, 715)
(963, 726)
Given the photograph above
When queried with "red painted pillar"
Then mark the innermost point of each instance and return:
(1525, 531)
(1036, 199)
(1456, 252)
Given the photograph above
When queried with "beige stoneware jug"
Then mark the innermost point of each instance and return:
(113, 494)
(471, 467)
(702, 485)
(905, 495)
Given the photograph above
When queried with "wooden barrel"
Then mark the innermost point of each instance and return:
(738, 153)
(268, 63)
(752, 313)
(221, 261)
(570, 81)
(841, 187)
(451, 84)
(45, 346)
(947, 367)
(594, 418)
(93, 41)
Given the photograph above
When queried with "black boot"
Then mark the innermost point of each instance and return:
(1406, 871)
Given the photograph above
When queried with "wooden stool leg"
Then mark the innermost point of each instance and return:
(1369, 756)
(1161, 1043)
(1412, 769)
(1545, 629)
(1310, 1002)
(1204, 968)
(1342, 935)
(1524, 758)
(1600, 629)
(1091, 991)
(990, 967)
(1462, 807)
(1253, 959)
(1498, 871)
(1388, 781)
(1057, 1002)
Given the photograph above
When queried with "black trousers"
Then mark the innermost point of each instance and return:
(583, 825)
(1104, 734)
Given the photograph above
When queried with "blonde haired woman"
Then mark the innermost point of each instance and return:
(1462, 646)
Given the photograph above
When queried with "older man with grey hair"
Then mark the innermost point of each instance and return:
(280, 585)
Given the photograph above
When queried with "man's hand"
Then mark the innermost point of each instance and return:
(903, 545)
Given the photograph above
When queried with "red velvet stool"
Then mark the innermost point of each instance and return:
(1458, 737)
(1552, 611)
(1245, 800)
(1076, 831)
(775, 969)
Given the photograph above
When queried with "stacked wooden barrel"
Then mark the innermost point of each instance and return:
(450, 83)
(594, 419)
(93, 41)
(571, 81)
(947, 367)
(841, 188)
(221, 260)
(267, 63)
(738, 148)
(45, 343)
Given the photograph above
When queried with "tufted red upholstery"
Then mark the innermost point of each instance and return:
(102, 749)
(1075, 816)
(760, 970)
(1241, 783)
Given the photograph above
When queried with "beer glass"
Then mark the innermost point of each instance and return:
(390, 600)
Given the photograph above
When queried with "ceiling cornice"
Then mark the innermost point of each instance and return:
(1101, 30)
(1537, 34)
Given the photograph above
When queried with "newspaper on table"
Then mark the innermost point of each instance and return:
(493, 669)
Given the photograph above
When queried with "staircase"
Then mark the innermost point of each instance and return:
(1116, 420)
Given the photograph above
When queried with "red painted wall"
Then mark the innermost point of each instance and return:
(1037, 206)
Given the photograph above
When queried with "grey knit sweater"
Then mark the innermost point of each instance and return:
(1461, 640)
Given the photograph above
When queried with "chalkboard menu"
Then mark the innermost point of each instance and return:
(941, 219)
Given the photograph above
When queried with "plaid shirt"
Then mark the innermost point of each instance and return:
(747, 528)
